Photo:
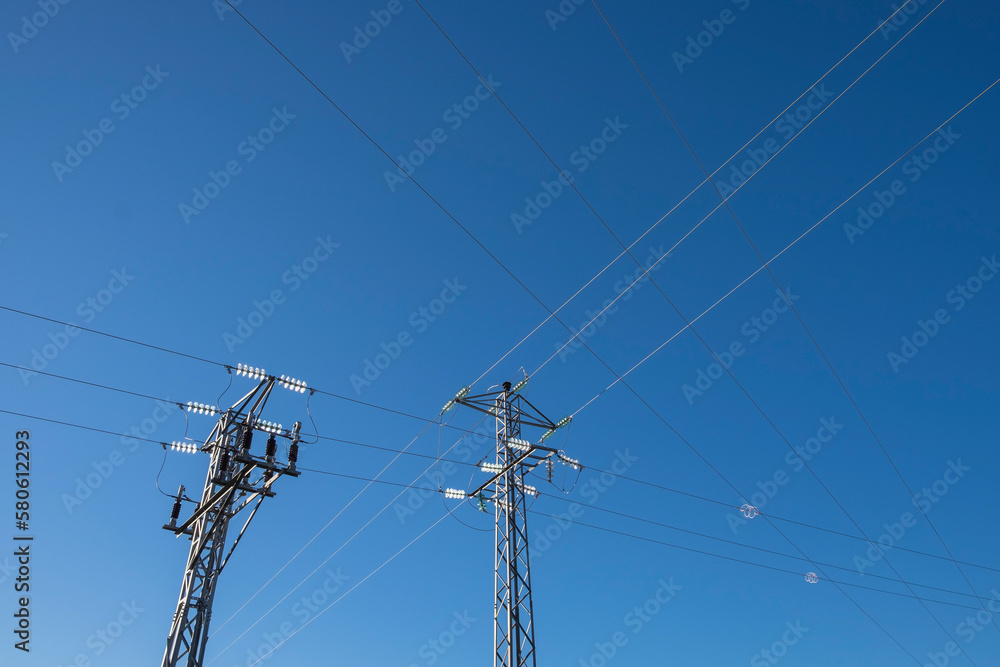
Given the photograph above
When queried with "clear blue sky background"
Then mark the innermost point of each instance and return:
(189, 281)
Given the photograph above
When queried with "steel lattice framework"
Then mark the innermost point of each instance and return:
(235, 480)
(513, 628)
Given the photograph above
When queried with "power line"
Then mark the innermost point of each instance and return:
(748, 546)
(306, 545)
(436, 202)
(626, 250)
(370, 482)
(378, 147)
(675, 206)
(755, 564)
(779, 254)
(708, 177)
(80, 426)
(611, 531)
(436, 459)
(725, 202)
(126, 339)
(166, 444)
(793, 521)
(646, 403)
(672, 305)
(310, 435)
(712, 352)
(92, 384)
(351, 589)
(380, 408)
(466, 463)
(235, 480)
(228, 367)
(341, 547)
(325, 561)
(600, 509)
(413, 486)
(753, 175)
(120, 338)
(515, 278)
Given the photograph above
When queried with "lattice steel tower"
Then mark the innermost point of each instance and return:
(235, 480)
(514, 628)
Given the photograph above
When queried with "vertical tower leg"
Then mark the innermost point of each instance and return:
(514, 632)
(189, 631)
(236, 479)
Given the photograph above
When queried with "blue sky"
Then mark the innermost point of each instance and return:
(172, 180)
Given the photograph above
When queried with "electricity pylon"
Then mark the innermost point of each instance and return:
(513, 626)
(235, 480)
